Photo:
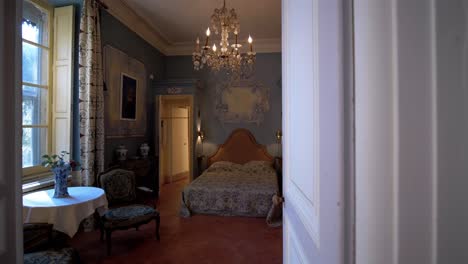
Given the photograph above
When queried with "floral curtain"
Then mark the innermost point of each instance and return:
(91, 95)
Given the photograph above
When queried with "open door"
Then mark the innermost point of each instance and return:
(180, 140)
(313, 126)
(175, 138)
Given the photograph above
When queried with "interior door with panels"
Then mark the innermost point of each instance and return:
(313, 117)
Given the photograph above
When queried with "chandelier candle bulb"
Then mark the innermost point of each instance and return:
(198, 44)
(207, 36)
(250, 43)
(214, 47)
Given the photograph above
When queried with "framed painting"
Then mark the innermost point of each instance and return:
(128, 97)
(125, 95)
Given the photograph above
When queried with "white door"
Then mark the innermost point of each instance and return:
(313, 117)
(180, 149)
(175, 138)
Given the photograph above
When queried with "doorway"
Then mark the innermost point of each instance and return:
(175, 138)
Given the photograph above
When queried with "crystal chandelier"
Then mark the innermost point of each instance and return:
(228, 57)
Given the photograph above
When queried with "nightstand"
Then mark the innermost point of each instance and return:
(200, 166)
(278, 165)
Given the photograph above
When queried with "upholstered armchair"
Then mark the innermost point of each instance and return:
(44, 245)
(124, 212)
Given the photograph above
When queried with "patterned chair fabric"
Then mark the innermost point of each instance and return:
(62, 256)
(119, 186)
(128, 215)
(41, 246)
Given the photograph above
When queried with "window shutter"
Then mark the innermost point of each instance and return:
(63, 79)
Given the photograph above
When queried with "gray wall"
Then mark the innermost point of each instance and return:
(411, 131)
(268, 71)
(452, 130)
(116, 34)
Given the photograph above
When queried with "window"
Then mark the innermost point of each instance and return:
(36, 35)
(46, 85)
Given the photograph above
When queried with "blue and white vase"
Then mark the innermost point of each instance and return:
(60, 175)
(121, 152)
(144, 150)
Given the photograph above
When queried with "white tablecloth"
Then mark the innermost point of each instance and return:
(64, 213)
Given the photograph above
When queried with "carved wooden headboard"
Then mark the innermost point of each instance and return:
(240, 147)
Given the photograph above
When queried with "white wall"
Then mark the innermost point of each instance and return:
(411, 131)
(452, 111)
(414, 135)
(375, 132)
(393, 132)
(11, 242)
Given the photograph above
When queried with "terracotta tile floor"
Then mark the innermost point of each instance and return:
(199, 239)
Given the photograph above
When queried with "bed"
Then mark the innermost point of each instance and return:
(239, 181)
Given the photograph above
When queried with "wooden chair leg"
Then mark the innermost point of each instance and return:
(158, 222)
(102, 233)
(100, 222)
(108, 238)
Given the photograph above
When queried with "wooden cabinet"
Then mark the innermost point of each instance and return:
(146, 171)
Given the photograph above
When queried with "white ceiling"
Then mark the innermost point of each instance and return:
(180, 21)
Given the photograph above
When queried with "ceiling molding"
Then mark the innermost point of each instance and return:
(120, 10)
(125, 14)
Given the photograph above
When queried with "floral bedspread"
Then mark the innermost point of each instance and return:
(231, 189)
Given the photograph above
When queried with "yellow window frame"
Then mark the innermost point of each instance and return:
(34, 171)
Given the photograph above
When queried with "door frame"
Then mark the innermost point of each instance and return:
(160, 99)
(349, 132)
(11, 176)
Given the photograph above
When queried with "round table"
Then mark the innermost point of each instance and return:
(67, 213)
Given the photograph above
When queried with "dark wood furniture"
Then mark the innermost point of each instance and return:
(240, 147)
(124, 210)
(146, 171)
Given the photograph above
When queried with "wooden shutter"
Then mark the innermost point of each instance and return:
(63, 79)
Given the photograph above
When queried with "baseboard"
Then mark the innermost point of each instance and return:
(176, 177)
